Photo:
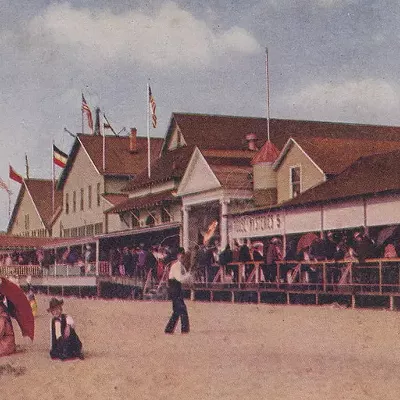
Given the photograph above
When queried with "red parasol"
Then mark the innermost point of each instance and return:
(306, 241)
(23, 310)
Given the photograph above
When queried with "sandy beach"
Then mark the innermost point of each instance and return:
(234, 351)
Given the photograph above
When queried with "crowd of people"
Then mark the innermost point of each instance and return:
(138, 260)
(356, 246)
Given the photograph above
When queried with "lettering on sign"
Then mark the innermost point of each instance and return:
(256, 224)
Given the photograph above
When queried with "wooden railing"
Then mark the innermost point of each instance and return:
(380, 275)
(20, 270)
(104, 269)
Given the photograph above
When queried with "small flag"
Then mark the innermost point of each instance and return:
(152, 104)
(86, 110)
(4, 186)
(15, 177)
(59, 157)
(107, 125)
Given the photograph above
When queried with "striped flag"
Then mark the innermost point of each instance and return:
(4, 186)
(86, 110)
(59, 157)
(152, 104)
(15, 176)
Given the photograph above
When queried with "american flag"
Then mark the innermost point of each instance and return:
(4, 186)
(86, 110)
(152, 109)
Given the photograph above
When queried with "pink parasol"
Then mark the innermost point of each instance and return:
(306, 241)
(210, 231)
(23, 310)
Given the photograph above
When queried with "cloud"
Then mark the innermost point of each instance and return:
(172, 36)
(333, 3)
(368, 100)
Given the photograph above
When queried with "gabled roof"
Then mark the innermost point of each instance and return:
(171, 165)
(41, 193)
(229, 132)
(115, 198)
(224, 137)
(216, 131)
(369, 175)
(149, 200)
(233, 176)
(119, 160)
(333, 155)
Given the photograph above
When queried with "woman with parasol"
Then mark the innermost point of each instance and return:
(17, 307)
(7, 337)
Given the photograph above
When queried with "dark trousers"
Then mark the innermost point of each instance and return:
(178, 310)
(64, 349)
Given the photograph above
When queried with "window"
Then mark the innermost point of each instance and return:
(150, 221)
(295, 181)
(98, 194)
(165, 214)
(98, 228)
(82, 195)
(89, 230)
(66, 203)
(135, 218)
(90, 196)
(74, 201)
(27, 222)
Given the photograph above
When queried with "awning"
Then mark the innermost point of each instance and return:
(139, 231)
(69, 242)
(150, 200)
(9, 242)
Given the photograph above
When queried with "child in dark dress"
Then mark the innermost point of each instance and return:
(65, 343)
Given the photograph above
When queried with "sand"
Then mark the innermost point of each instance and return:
(234, 351)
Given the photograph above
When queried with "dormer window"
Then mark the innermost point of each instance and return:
(295, 181)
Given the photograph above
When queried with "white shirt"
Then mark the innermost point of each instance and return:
(68, 320)
(178, 272)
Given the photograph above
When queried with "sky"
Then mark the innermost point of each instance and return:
(328, 60)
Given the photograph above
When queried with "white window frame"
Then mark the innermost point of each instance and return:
(291, 168)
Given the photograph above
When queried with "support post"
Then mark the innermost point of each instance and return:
(97, 256)
(224, 223)
(185, 233)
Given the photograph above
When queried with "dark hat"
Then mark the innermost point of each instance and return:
(181, 250)
(54, 303)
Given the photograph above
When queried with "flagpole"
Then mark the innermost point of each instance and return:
(104, 146)
(9, 194)
(267, 84)
(148, 128)
(82, 113)
(53, 176)
(26, 166)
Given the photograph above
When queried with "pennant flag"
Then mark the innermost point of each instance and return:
(152, 109)
(86, 110)
(15, 177)
(4, 186)
(59, 157)
(107, 125)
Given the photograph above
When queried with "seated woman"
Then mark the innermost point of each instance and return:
(7, 337)
(65, 343)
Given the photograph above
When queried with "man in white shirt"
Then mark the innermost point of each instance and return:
(177, 275)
